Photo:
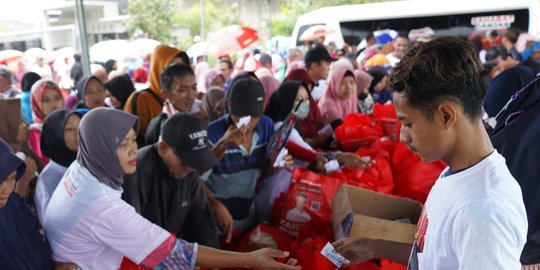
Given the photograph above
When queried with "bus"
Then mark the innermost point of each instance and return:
(351, 23)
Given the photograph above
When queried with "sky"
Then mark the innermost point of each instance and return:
(24, 10)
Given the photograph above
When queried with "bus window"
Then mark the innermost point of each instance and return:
(456, 25)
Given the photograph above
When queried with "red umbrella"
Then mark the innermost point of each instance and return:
(7, 56)
(231, 39)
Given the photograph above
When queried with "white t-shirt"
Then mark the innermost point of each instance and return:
(393, 60)
(319, 90)
(47, 182)
(473, 219)
(89, 224)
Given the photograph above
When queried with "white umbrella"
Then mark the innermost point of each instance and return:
(10, 55)
(197, 49)
(140, 48)
(316, 31)
(102, 51)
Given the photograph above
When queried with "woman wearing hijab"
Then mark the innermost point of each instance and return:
(214, 78)
(340, 99)
(378, 88)
(515, 136)
(22, 246)
(46, 97)
(91, 93)
(365, 99)
(88, 223)
(14, 130)
(28, 79)
(269, 83)
(119, 89)
(59, 143)
(213, 104)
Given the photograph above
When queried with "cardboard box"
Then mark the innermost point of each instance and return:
(362, 213)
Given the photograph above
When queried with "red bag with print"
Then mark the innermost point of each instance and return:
(387, 117)
(358, 130)
(412, 177)
(308, 253)
(310, 195)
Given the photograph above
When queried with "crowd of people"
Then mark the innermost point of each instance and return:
(119, 171)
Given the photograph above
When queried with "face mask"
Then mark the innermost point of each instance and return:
(302, 111)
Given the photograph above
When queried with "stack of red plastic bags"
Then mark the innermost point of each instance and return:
(302, 217)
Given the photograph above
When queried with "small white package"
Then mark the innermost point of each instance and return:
(243, 121)
(330, 253)
(280, 160)
(332, 165)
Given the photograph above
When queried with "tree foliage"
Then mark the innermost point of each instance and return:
(153, 17)
(217, 14)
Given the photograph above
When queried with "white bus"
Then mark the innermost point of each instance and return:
(352, 23)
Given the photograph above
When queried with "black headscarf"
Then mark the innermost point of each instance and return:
(100, 133)
(28, 79)
(121, 88)
(503, 86)
(53, 144)
(516, 138)
(378, 73)
(282, 100)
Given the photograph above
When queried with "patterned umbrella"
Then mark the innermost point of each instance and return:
(231, 39)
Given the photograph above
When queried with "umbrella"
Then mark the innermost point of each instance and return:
(140, 48)
(64, 52)
(7, 56)
(197, 49)
(231, 39)
(109, 49)
(316, 31)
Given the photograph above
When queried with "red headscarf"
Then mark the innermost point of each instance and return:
(36, 98)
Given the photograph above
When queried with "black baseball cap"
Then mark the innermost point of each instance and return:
(317, 54)
(247, 98)
(187, 135)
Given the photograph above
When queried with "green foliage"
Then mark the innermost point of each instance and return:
(217, 15)
(153, 17)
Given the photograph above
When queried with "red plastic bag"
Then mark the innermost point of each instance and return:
(358, 130)
(308, 254)
(378, 177)
(265, 236)
(310, 195)
(387, 117)
(412, 177)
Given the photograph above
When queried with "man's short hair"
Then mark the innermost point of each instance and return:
(6, 73)
(168, 75)
(184, 57)
(227, 62)
(446, 68)
(512, 34)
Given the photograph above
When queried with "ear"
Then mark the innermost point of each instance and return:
(164, 93)
(448, 113)
(162, 147)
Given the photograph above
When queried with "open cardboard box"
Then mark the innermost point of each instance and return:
(362, 213)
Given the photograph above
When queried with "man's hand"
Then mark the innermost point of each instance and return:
(356, 250)
(65, 266)
(352, 161)
(235, 136)
(224, 219)
(320, 160)
(264, 259)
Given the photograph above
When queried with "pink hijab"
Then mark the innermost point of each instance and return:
(37, 94)
(210, 77)
(363, 80)
(333, 106)
(269, 83)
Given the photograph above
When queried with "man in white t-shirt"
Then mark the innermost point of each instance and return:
(474, 216)
(400, 44)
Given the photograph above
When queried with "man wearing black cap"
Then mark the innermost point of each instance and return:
(166, 188)
(318, 62)
(241, 151)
